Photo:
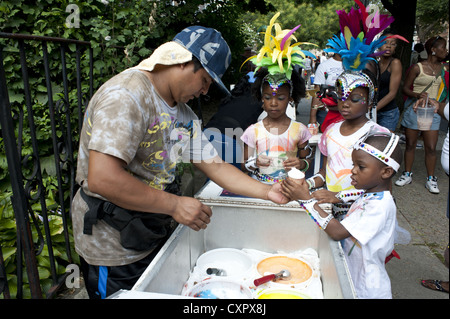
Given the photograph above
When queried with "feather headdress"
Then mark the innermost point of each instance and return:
(357, 46)
(277, 54)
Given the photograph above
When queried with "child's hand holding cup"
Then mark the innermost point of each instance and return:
(295, 186)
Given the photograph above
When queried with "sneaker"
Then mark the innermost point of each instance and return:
(432, 185)
(405, 179)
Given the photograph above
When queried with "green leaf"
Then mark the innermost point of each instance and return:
(8, 252)
(44, 273)
(7, 224)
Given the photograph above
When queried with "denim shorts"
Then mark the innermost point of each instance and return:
(389, 119)
(410, 117)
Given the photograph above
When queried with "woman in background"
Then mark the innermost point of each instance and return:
(388, 112)
(426, 78)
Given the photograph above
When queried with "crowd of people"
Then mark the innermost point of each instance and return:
(138, 127)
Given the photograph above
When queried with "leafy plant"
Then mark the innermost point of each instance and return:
(8, 241)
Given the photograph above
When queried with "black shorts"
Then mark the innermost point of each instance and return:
(102, 281)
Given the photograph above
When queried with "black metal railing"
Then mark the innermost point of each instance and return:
(40, 164)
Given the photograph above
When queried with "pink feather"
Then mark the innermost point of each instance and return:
(287, 36)
(356, 21)
(352, 20)
(385, 20)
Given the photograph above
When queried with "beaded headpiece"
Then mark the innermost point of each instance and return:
(357, 46)
(278, 55)
(384, 155)
(276, 81)
(350, 80)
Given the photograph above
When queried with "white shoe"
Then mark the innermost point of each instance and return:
(432, 185)
(405, 179)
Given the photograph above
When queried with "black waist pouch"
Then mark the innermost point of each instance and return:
(138, 231)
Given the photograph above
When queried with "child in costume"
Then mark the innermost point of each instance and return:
(367, 230)
(356, 88)
(277, 143)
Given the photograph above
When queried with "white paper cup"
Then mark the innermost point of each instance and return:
(425, 117)
(296, 174)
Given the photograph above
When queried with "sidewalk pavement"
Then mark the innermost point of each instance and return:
(422, 214)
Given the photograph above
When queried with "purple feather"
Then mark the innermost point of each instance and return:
(287, 37)
(385, 21)
(375, 54)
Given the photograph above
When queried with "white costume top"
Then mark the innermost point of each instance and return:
(371, 222)
(338, 149)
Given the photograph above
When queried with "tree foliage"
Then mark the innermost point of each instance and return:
(318, 19)
(124, 32)
(432, 18)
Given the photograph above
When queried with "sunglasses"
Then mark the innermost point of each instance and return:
(435, 40)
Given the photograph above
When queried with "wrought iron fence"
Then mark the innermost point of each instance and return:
(40, 172)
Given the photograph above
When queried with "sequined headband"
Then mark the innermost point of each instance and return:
(276, 81)
(350, 80)
(385, 155)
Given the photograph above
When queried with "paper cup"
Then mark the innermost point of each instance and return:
(296, 174)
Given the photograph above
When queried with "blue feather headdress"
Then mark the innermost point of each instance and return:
(357, 47)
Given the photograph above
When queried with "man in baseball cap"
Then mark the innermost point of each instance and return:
(206, 44)
(209, 47)
(137, 128)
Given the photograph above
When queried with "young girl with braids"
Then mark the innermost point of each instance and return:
(276, 144)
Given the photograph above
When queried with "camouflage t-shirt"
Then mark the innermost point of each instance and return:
(127, 119)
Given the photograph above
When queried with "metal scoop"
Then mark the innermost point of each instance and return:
(216, 272)
(282, 274)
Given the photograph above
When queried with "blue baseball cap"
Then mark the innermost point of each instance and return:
(209, 47)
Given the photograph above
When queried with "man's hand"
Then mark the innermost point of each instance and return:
(108, 178)
(276, 196)
(192, 213)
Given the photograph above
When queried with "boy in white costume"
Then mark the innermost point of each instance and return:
(367, 230)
